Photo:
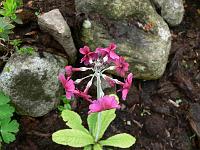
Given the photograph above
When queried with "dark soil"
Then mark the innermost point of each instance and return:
(149, 113)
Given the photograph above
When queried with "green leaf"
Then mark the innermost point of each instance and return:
(6, 111)
(67, 106)
(8, 129)
(89, 147)
(9, 8)
(4, 99)
(106, 118)
(120, 140)
(16, 42)
(5, 28)
(92, 121)
(26, 50)
(72, 137)
(97, 147)
(61, 108)
(69, 115)
(73, 120)
(18, 20)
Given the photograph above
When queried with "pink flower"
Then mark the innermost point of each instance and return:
(108, 52)
(121, 66)
(126, 86)
(68, 84)
(101, 51)
(104, 103)
(111, 51)
(88, 56)
(83, 95)
(70, 69)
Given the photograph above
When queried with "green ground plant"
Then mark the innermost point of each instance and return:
(64, 104)
(8, 127)
(16, 43)
(9, 10)
(6, 28)
(8, 17)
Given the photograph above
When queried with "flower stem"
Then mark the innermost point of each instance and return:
(98, 126)
(100, 94)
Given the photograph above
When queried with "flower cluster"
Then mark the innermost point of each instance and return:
(99, 61)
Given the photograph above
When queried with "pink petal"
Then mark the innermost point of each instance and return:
(84, 50)
(101, 51)
(113, 55)
(93, 55)
(104, 103)
(62, 79)
(124, 93)
(69, 95)
(68, 70)
(129, 78)
(69, 86)
(85, 59)
(126, 65)
(95, 107)
(112, 46)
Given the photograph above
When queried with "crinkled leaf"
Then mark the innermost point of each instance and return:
(120, 140)
(97, 147)
(106, 118)
(89, 147)
(73, 120)
(69, 115)
(6, 111)
(72, 137)
(92, 121)
(8, 129)
(4, 99)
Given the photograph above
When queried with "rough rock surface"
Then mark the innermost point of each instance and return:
(32, 82)
(171, 10)
(142, 36)
(54, 23)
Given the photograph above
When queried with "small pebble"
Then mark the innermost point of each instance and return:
(128, 123)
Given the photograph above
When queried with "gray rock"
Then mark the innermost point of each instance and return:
(126, 22)
(32, 82)
(171, 10)
(54, 23)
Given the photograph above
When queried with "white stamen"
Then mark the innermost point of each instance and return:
(109, 68)
(77, 81)
(105, 59)
(85, 68)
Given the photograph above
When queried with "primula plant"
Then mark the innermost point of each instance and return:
(101, 109)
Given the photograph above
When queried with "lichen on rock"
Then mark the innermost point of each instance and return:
(125, 23)
(32, 82)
